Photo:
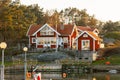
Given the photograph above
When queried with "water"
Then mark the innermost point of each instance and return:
(59, 76)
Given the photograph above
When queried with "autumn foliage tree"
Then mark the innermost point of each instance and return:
(15, 20)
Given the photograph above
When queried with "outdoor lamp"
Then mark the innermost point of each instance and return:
(3, 45)
(25, 49)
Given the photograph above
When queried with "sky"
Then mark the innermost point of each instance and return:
(103, 10)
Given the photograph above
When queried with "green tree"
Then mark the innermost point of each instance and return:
(113, 35)
(15, 20)
(111, 27)
(38, 13)
(5, 20)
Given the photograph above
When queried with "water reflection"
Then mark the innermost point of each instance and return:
(59, 76)
(106, 76)
(94, 76)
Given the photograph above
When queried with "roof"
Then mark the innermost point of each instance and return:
(94, 35)
(51, 27)
(90, 33)
(84, 28)
(66, 31)
(33, 28)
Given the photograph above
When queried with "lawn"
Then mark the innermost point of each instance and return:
(114, 60)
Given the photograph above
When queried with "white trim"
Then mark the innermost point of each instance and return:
(57, 43)
(93, 45)
(36, 41)
(70, 41)
(33, 38)
(28, 29)
(96, 30)
(82, 44)
(43, 27)
(83, 33)
(29, 45)
(73, 29)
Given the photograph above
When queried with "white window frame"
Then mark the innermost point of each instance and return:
(88, 45)
(85, 35)
(33, 40)
(47, 41)
(65, 39)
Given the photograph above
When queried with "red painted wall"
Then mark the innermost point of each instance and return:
(53, 46)
(87, 38)
(97, 45)
(91, 43)
(66, 45)
(39, 46)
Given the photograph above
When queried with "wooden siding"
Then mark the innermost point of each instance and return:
(39, 46)
(85, 38)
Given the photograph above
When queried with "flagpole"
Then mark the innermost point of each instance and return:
(56, 38)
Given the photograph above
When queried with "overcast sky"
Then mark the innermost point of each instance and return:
(102, 9)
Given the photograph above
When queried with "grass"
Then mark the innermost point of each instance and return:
(114, 60)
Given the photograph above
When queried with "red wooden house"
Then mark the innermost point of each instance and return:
(88, 40)
(67, 36)
(51, 36)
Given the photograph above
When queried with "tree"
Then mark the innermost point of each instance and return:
(4, 3)
(5, 19)
(79, 17)
(92, 21)
(52, 17)
(15, 20)
(37, 12)
(111, 27)
(113, 35)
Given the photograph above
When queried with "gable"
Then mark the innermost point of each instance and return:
(46, 31)
(89, 33)
(46, 27)
(96, 31)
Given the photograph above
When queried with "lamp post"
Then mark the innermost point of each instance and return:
(25, 49)
(3, 45)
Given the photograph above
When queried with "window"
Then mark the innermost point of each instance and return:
(33, 40)
(85, 45)
(47, 41)
(85, 35)
(65, 40)
(40, 41)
